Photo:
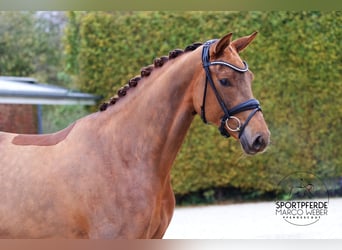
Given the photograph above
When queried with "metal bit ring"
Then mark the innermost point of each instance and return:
(237, 129)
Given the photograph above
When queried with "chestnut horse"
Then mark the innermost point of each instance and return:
(108, 174)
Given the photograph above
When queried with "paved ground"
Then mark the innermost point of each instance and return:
(250, 221)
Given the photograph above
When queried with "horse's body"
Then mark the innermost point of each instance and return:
(108, 174)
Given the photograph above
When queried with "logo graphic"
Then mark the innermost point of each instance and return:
(304, 199)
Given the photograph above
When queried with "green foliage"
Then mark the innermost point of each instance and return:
(296, 60)
(30, 44)
(66, 114)
(16, 47)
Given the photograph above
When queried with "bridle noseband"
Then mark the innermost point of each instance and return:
(251, 104)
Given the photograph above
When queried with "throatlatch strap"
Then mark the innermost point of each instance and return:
(205, 59)
(204, 119)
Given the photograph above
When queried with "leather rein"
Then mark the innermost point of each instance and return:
(251, 104)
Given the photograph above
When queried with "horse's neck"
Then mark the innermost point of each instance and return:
(152, 120)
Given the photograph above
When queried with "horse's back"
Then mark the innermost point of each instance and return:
(5, 137)
(42, 140)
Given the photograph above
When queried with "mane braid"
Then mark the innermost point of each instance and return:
(145, 72)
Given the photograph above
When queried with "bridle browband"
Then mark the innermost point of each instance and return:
(251, 104)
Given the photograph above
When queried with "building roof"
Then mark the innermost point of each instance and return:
(22, 90)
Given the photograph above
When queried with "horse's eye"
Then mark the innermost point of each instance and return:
(225, 82)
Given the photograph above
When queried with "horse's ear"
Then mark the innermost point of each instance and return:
(241, 43)
(222, 44)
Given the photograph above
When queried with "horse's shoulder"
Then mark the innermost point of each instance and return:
(42, 140)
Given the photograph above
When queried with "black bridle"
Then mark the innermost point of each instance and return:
(251, 104)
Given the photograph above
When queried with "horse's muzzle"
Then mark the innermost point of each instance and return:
(256, 144)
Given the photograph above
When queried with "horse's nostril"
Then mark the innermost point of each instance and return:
(259, 143)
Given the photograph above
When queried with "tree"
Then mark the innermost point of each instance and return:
(17, 39)
(31, 44)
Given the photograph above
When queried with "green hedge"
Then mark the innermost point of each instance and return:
(296, 60)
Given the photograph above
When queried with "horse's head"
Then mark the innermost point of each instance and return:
(223, 94)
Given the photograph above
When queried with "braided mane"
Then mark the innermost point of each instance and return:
(145, 72)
